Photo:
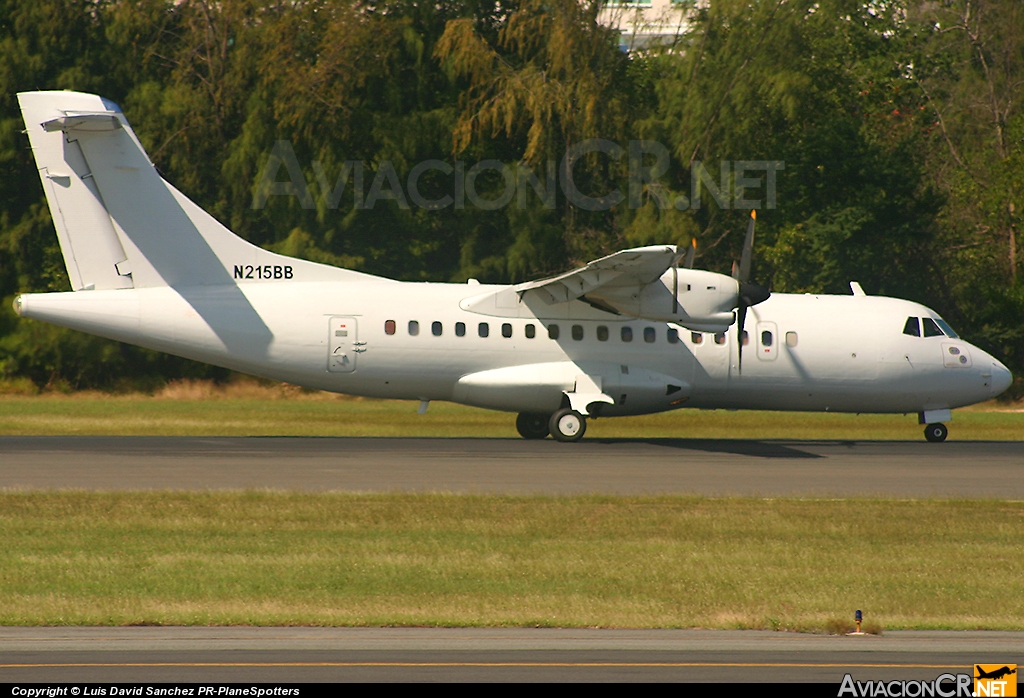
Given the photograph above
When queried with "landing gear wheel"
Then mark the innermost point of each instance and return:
(567, 425)
(531, 425)
(936, 433)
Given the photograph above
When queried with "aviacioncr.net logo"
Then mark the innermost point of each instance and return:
(995, 680)
(943, 686)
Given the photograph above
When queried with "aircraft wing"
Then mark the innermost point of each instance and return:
(634, 267)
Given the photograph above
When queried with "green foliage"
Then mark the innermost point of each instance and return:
(898, 122)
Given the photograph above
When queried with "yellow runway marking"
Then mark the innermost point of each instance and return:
(492, 664)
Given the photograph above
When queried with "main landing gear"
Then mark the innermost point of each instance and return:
(563, 425)
(936, 433)
(567, 425)
(531, 425)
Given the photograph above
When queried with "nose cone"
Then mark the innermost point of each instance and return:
(1001, 378)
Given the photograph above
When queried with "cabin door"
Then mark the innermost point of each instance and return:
(767, 341)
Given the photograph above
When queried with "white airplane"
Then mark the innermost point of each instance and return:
(631, 333)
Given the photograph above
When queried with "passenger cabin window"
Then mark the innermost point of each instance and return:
(414, 328)
(719, 337)
(930, 328)
(552, 331)
(626, 334)
(696, 337)
(483, 329)
(649, 335)
(506, 329)
(766, 338)
(460, 329)
(673, 335)
(602, 333)
(745, 338)
(435, 328)
(389, 327)
(791, 339)
(912, 327)
(531, 331)
(577, 332)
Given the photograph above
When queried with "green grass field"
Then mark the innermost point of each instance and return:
(256, 410)
(336, 559)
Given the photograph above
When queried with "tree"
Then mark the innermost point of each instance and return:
(550, 78)
(968, 67)
(814, 85)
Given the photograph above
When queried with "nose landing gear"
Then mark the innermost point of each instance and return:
(936, 433)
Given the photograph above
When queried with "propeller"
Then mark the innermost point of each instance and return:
(750, 293)
(691, 253)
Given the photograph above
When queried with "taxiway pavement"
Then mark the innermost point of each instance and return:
(268, 655)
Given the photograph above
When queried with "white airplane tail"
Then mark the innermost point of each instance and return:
(119, 223)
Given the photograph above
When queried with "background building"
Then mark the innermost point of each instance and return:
(647, 22)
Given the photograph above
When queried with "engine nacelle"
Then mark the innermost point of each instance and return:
(698, 300)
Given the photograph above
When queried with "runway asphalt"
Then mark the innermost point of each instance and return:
(268, 655)
(516, 466)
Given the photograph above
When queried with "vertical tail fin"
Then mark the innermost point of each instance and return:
(91, 248)
(119, 223)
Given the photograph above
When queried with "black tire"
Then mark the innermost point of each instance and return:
(567, 425)
(532, 425)
(936, 433)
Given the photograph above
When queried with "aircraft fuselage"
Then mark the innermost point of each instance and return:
(388, 339)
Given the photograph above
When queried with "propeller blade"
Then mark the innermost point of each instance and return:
(748, 249)
(752, 294)
(741, 320)
(691, 253)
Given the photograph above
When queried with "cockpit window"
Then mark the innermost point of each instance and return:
(913, 328)
(946, 328)
(930, 328)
